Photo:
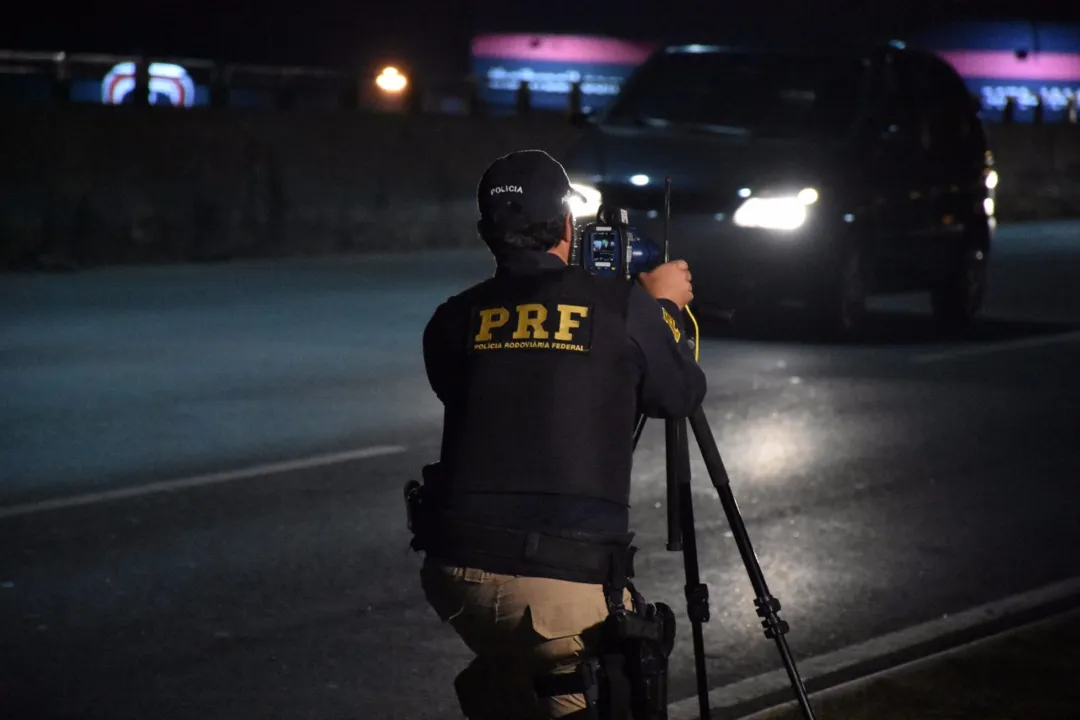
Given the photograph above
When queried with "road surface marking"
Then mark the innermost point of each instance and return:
(879, 647)
(1040, 341)
(200, 480)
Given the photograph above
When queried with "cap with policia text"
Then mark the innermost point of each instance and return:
(522, 188)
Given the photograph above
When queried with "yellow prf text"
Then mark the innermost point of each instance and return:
(536, 326)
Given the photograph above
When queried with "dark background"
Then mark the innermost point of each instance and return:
(433, 35)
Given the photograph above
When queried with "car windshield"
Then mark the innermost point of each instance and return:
(775, 95)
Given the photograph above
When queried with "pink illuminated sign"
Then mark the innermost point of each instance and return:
(999, 75)
(1041, 66)
(561, 48)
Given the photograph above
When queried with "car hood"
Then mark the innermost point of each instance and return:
(707, 169)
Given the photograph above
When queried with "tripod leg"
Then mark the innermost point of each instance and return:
(674, 438)
(697, 594)
(768, 607)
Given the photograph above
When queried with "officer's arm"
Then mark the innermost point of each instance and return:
(443, 339)
(672, 383)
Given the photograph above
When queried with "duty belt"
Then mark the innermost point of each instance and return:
(573, 555)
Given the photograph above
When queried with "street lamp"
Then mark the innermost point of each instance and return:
(391, 80)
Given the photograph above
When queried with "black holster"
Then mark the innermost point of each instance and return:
(627, 680)
(645, 639)
(420, 508)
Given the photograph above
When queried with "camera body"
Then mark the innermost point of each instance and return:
(609, 247)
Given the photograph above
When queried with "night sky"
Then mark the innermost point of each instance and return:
(433, 35)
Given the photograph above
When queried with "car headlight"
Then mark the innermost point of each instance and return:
(588, 204)
(776, 213)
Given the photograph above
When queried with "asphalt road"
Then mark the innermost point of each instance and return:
(883, 484)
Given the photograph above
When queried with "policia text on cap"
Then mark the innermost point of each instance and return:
(543, 370)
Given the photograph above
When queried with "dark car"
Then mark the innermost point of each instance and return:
(798, 175)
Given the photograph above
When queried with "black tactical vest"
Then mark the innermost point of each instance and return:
(549, 397)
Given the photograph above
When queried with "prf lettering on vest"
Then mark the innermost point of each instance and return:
(563, 327)
(671, 324)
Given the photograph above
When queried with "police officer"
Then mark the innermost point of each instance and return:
(542, 370)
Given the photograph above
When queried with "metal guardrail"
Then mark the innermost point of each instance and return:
(60, 58)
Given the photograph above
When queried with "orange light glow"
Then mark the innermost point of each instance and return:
(391, 80)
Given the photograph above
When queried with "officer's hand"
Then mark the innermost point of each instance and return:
(670, 281)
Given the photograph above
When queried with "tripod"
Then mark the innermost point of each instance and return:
(681, 536)
(681, 533)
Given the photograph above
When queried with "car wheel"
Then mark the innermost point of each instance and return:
(839, 309)
(959, 297)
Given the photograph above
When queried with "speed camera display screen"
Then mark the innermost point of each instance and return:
(604, 250)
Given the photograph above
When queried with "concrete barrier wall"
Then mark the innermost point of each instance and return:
(94, 185)
(117, 184)
(1039, 167)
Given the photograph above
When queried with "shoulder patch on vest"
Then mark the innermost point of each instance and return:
(556, 326)
(672, 324)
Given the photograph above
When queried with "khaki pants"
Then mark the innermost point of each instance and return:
(518, 627)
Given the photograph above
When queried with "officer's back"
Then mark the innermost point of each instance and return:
(542, 370)
(543, 367)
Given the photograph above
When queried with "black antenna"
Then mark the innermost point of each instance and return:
(667, 216)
